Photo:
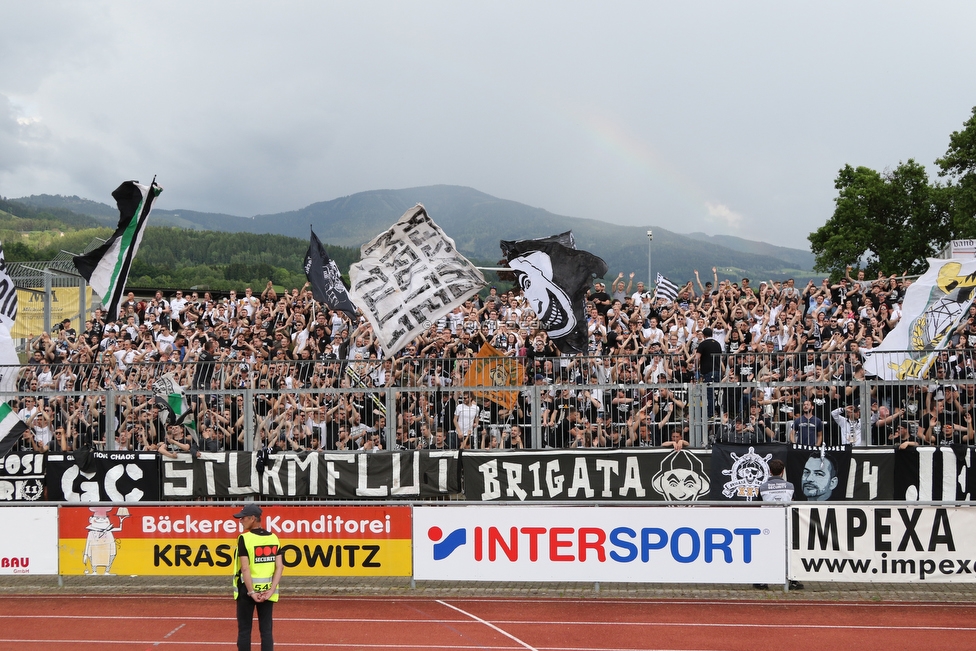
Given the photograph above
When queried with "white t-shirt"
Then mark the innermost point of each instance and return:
(467, 416)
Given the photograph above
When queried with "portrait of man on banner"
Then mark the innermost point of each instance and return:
(819, 474)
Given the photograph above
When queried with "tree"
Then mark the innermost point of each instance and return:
(886, 222)
(959, 167)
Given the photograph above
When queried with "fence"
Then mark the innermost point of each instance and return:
(572, 403)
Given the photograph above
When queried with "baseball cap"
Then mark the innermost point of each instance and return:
(249, 509)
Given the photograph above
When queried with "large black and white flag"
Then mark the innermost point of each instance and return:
(326, 281)
(12, 429)
(410, 276)
(666, 289)
(554, 279)
(107, 267)
(9, 362)
(103, 476)
(566, 238)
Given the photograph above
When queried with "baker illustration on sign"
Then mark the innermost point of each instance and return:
(101, 546)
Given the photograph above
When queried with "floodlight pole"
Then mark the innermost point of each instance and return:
(650, 279)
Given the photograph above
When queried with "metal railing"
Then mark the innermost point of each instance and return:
(550, 412)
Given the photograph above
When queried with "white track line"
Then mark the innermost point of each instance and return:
(170, 634)
(596, 600)
(316, 645)
(489, 625)
(507, 622)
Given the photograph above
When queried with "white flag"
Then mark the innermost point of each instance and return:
(933, 308)
(410, 276)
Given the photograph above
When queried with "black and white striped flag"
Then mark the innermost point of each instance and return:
(9, 362)
(107, 268)
(666, 288)
(12, 429)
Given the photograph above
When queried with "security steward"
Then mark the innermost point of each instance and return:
(257, 572)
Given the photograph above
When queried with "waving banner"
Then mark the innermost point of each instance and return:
(107, 268)
(495, 377)
(934, 306)
(410, 276)
(323, 274)
(554, 279)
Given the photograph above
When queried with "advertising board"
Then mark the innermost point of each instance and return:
(199, 540)
(889, 544)
(31, 547)
(612, 544)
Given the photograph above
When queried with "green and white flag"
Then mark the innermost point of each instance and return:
(107, 267)
(12, 428)
(170, 396)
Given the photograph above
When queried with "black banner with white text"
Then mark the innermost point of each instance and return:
(324, 475)
(22, 477)
(103, 477)
(639, 474)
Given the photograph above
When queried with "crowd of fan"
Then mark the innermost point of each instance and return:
(790, 358)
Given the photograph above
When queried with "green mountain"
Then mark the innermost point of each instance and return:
(477, 221)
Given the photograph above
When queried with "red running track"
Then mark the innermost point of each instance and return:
(126, 623)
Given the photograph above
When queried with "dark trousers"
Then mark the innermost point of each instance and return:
(245, 618)
(708, 378)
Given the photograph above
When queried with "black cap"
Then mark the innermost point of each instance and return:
(249, 509)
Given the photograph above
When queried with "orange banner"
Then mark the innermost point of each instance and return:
(199, 540)
(490, 368)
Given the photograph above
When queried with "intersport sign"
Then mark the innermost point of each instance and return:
(612, 544)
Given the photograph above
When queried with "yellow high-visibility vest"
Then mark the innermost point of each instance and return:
(261, 552)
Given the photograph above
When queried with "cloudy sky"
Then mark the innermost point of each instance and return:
(723, 117)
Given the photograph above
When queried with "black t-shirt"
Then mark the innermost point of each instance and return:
(601, 306)
(710, 352)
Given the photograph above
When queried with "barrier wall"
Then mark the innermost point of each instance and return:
(931, 473)
(31, 543)
(704, 543)
(193, 540)
(620, 544)
(902, 544)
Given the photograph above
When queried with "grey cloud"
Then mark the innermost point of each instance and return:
(722, 117)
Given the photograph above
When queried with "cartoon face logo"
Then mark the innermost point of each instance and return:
(747, 474)
(681, 478)
(550, 303)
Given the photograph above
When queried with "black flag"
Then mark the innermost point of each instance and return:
(326, 281)
(934, 473)
(554, 279)
(567, 239)
(738, 470)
